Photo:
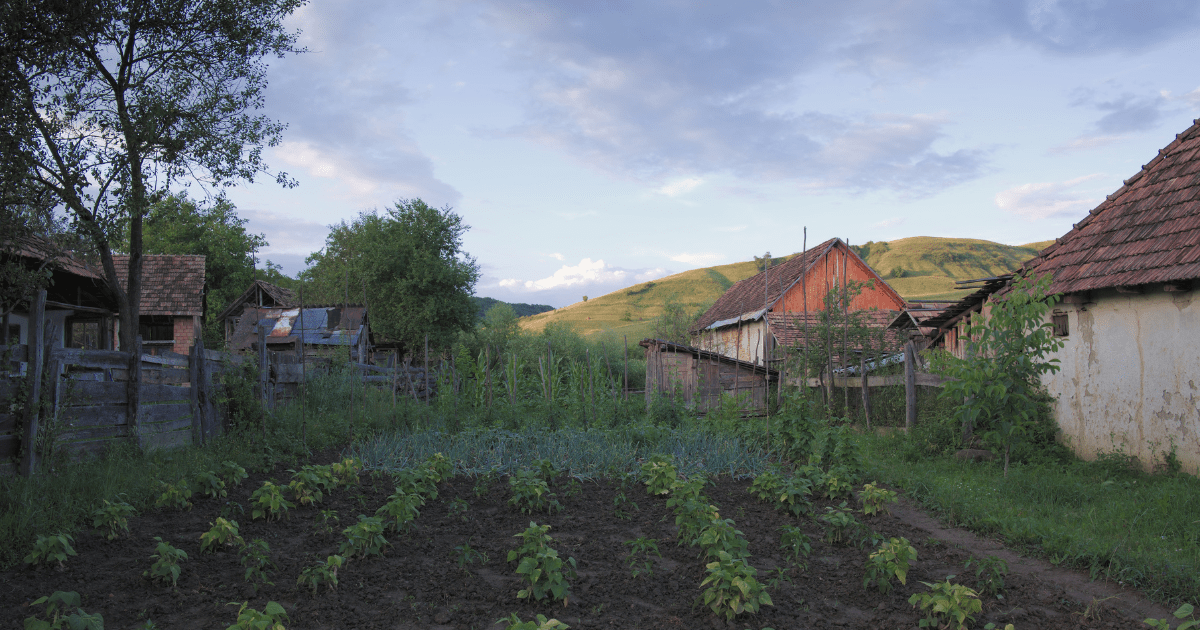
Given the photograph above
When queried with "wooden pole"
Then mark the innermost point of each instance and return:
(427, 369)
(625, 385)
(866, 399)
(134, 392)
(804, 290)
(36, 342)
(828, 335)
(263, 373)
(194, 358)
(910, 385)
(737, 354)
(845, 327)
(768, 348)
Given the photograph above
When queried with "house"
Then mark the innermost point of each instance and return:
(776, 307)
(260, 294)
(323, 331)
(172, 302)
(700, 377)
(1130, 314)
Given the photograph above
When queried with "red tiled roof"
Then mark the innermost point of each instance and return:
(747, 295)
(788, 328)
(1148, 231)
(171, 284)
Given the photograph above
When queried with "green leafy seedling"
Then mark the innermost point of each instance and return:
(256, 558)
(364, 538)
(467, 555)
(875, 499)
(540, 567)
(114, 517)
(953, 602)
(840, 524)
(990, 572)
(438, 468)
(659, 474)
(513, 622)
(56, 615)
(174, 495)
(459, 508)
(795, 544)
(639, 554)
(268, 502)
(732, 587)
(309, 484)
(54, 548)
(1181, 613)
(401, 510)
(223, 533)
(232, 473)
(208, 483)
(891, 559)
(346, 471)
(271, 618)
(531, 493)
(323, 523)
(322, 573)
(166, 567)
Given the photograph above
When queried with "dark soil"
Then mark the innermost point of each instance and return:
(418, 583)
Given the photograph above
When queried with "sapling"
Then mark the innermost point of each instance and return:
(531, 493)
(990, 572)
(323, 523)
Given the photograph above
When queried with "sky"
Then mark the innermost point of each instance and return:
(592, 145)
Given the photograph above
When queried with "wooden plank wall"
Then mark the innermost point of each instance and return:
(701, 381)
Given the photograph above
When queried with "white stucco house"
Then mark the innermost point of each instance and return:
(1130, 315)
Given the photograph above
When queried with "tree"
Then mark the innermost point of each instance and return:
(997, 382)
(119, 99)
(408, 263)
(179, 225)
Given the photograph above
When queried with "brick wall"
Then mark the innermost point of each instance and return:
(185, 333)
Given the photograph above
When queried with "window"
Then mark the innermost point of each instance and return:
(83, 334)
(13, 338)
(1061, 326)
(157, 328)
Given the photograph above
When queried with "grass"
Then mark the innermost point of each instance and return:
(1117, 523)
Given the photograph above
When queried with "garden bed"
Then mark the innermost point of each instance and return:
(419, 582)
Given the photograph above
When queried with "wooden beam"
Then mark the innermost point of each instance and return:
(1182, 286)
(1131, 290)
(36, 338)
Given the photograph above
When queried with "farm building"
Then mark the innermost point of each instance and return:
(172, 302)
(259, 294)
(331, 331)
(701, 377)
(942, 324)
(1130, 317)
(770, 310)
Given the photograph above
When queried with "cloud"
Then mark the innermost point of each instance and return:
(708, 258)
(888, 223)
(680, 186)
(1085, 143)
(569, 282)
(557, 256)
(1047, 199)
(731, 228)
(587, 272)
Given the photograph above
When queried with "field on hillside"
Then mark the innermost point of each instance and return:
(919, 268)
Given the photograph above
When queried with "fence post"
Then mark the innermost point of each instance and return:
(427, 369)
(910, 385)
(36, 335)
(134, 392)
(194, 358)
(262, 365)
(866, 396)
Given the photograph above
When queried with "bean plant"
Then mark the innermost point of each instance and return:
(840, 525)
(659, 474)
(513, 622)
(256, 558)
(322, 573)
(269, 503)
(540, 567)
(875, 499)
(531, 493)
(56, 613)
(271, 618)
(310, 483)
(53, 548)
(639, 552)
(232, 473)
(401, 510)
(174, 495)
(1181, 613)
(323, 523)
(721, 536)
(208, 483)
(795, 544)
(892, 558)
(990, 572)
(947, 605)
(224, 533)
(166, 567)
(732, 587)
(364, 538)
(114, 517)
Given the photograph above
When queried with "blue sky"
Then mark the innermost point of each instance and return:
(593, 145)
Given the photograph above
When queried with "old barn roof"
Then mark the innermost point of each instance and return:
(747, 295)
(273, 296)
(1148, 231)
(172, 284)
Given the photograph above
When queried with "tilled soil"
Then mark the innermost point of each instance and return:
(419, 583)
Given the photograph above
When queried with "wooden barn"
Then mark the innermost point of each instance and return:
(768, 310)
(701, 377)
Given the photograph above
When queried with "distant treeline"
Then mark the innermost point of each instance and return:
(482, 304)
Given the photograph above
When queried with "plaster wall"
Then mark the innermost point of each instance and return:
(748, 346)
(1130, 376)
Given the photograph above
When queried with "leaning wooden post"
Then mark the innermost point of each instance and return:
(427, 368)
(262, 365)
(304, 378)
(35, 338)
(194, 385)
(910, 385)
(866, 399)
(134, 392)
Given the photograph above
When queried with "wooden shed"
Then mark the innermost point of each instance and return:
(702, 376)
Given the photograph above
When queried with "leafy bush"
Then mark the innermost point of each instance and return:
(874, 499)
(210, 484)
(721, 536)
(174, 495)
(364, 538)
(732, 588)
(256, 558)
(659, 474)
(891, 559)
(346, 471)
(223, 533)
(55, 614)
(531, 493)
(53, 548)
(271, 618)
(841, 526)
(310, 483)
(321, 573)
(955, 602)
(539, 565)
(114, 516)
(401, 510)
(269, 503)
(166, 567)
(232, 473)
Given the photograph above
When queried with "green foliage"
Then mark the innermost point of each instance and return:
(513, 622)
(310, 483)
(721, 536)
(947, 605)
(997, 385)
(345, 472)
(166, 559)
(410, 257)
(539, 565)
(401, 510)
(271, 618)
(531, 493)
(321, 573)
(174, 495)
(732, 588)
(892, 558)
(223, 533)
(989, 572)
(55, 614)
(639, 555)
(323, 523)
(659, 474)
(438, 468)
(114, 516)
(840, 525)
(875, 499)
(364, 538)
(53, 548)
(208, 483)
(232, 473)
(418, 482)
(465, 555)
(1181, 613)
(795, 543)
(675, 319)
(269, 503)
(256, 558)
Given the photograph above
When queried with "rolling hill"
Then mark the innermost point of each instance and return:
(922, 267)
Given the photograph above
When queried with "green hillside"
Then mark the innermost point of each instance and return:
(921, 267)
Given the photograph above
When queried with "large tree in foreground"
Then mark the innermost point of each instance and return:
(408, 264)
(119, 99)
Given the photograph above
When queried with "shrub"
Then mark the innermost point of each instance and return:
(539, 565)
(955, 602)
(268, 502)
(891, 559)
(114, 516)
(53, 548)
(55, 614)
(166, 567)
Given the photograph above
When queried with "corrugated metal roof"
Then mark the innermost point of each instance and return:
(1148, 231)
(287, 325)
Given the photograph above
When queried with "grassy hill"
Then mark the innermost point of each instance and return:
(928, 267)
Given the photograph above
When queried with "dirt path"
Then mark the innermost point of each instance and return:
(1077, 585)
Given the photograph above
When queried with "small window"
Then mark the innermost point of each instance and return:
(13, 338)
(157, 328)
(1061, 327)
